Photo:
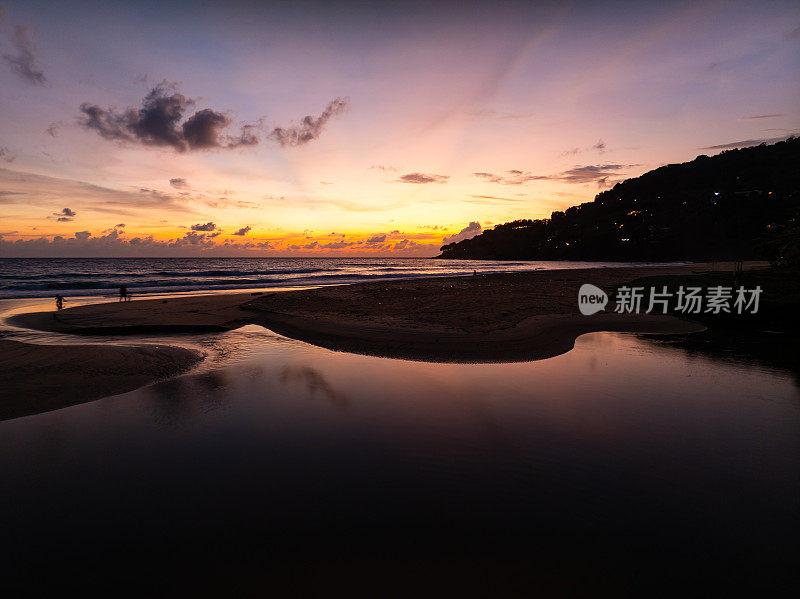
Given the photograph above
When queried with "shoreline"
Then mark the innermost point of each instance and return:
(489, 318)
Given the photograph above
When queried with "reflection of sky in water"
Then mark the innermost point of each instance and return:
(622, 442)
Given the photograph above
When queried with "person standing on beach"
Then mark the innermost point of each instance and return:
(123, 293)
(59, 302)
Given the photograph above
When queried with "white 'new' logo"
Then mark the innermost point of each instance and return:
(591, 299)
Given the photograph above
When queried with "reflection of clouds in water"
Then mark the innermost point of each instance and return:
(176, 401)
(314, 382)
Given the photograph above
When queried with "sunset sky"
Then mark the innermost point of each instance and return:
(307, 129)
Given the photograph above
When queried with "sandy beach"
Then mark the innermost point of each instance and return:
(39, 378)
(491, 318)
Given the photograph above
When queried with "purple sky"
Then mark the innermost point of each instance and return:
(358, 128)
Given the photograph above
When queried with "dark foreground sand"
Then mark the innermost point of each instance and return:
(39, 378)
(493, 318)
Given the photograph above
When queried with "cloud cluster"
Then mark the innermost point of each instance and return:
(179, 182)
(159, 122)
(113, 244)
(310, 127)
(21, 59)
(422, 178)
(66, 215)
(468, 232)
(204, 227)
(243, 231)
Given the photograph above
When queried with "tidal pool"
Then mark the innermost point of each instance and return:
(628, 461)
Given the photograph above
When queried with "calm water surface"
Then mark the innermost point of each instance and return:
(625, 459)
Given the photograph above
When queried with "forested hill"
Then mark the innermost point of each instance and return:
(740, 204)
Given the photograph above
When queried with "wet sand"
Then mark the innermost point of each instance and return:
(492, 318)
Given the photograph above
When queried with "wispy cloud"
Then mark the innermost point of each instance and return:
(592, 173)
(600, 147)
(745, 143)
(6, 155)
(22, 59)
(761, 116)
(310, 127)
(40, 190)
(512, 177)
(422, 178)
(481, 199)
(490, 113)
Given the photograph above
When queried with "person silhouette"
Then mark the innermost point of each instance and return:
(123, 293)
(59, 302)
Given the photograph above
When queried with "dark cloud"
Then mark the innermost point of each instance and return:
(158, 123)
(376, 239)
(405, 244)
(113, 243)
(178, 182)
(421, 178)
(204, 227)
(22, 60)
(337, 245)
(243, 231)
(202, 129)
(65, 216)
(194, 238)
(309, 128)
(600, 146)
(120, 226)
(468, 232)
(512, 177)
(6, 155)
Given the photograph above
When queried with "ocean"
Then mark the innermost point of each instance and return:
(44, 277)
